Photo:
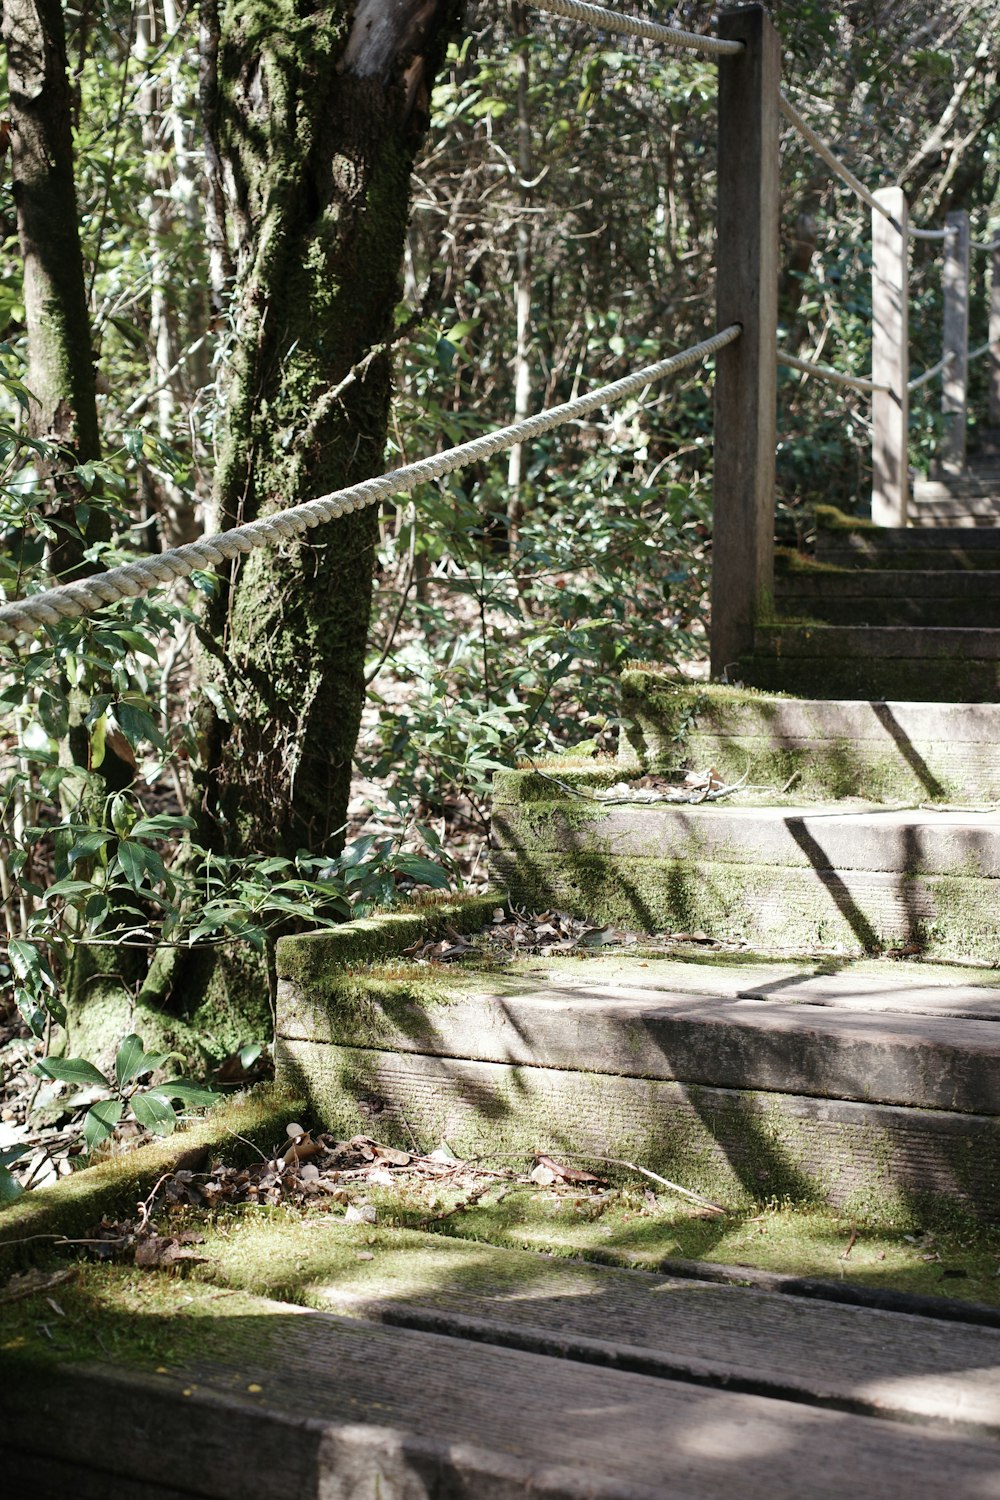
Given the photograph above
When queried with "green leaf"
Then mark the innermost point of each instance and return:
(153, 1112)
(129, 1058)
(70, 1070)
(98, 741)
(10, 1188)
(89, 844)
(137, 725)
(100, 1120)
(422, 870)
(13, 1153)
(185, 1090)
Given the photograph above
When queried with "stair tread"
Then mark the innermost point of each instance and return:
(337, 1401)
(662, 1324)
(849, 1041)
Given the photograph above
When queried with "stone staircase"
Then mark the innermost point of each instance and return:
(966, 499)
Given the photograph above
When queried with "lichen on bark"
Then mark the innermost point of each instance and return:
(315, 117)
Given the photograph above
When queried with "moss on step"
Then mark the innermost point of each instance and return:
(942, 679)
(121, 1315)
(315, 957)
(831, 518)
(672, 726)
(944, 917)
(74, 1204)
(737, 1147)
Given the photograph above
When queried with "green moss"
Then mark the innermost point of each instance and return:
(829, 518)
(764, 905)
(318, 957)
(739, 1148)
(74, 1204)
(129, 1317)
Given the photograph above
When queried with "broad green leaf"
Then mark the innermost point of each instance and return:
(185, 1090)
(13, 1153)
(70, 1070)
(100, 1120)
(25, 959)
(416, 867)
(89, 844)
(10, 1188)
(129, 1058)
(137, 725)
(153, 1112)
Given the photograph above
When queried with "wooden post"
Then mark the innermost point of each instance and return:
(746, 370)
(890, 360)
(994, 355)
(954, 381)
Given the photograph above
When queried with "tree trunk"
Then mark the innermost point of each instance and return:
(316, 114)
(60, 359)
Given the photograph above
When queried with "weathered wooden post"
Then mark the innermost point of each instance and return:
(995, 338)
(890, 359)
(746, 370)
(954, 380)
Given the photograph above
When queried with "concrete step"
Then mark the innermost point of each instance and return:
(884, 596)
(864, 1086)
(854, 877)
(923, 664)
(972, 486)
(884, 751)
(845, 542)
(271, 1399)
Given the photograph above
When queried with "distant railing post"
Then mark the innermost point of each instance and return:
(890, 360)
(746, 371)
(995, 339)
(956, 340)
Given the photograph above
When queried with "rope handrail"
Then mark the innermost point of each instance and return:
(71, 600)
(986, 245)
(928, 375)
(828, 155)
(613, 21)
(827, 372)
(982, 349)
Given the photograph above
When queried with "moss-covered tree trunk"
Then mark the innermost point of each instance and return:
(63, 411)
(315, 114)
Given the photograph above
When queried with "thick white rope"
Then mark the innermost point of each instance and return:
(827, 372)
(988, 246)
(982, 349)
(925, 234)
(71, 600)
(928, 375)
(611, 20)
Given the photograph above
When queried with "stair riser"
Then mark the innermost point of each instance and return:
(833, 609)
(913, 679)
(789, 838)
(721, 1042)
(879, 751)
(958, 548)
(737, 1147)
(942, 916)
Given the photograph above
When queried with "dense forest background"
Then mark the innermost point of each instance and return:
(559, 233)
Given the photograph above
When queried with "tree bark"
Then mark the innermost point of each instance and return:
(63, 410)
(315, 117)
